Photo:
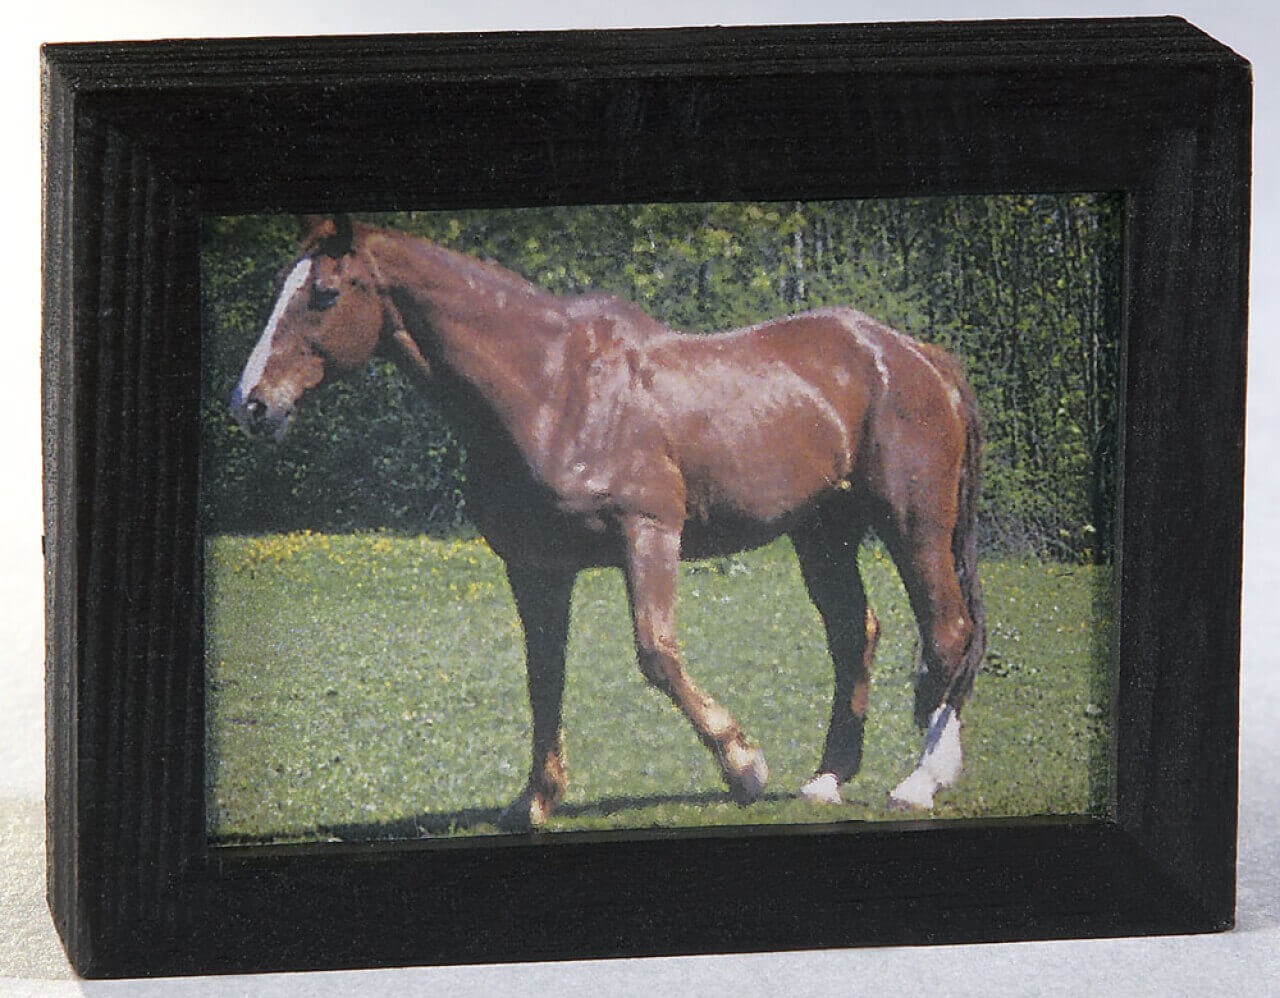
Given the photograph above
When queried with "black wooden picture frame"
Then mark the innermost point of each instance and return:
(143, 139)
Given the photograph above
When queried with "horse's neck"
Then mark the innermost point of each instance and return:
(477, 323)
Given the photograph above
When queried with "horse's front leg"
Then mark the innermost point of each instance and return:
(653, 557)
(542, 599)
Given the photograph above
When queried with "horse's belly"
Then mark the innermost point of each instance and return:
(525, 523)
(729, 533)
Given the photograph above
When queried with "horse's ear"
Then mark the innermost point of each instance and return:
(312, 227)
(334, 231)
(344, 234)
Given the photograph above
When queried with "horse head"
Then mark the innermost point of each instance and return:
(328, 318)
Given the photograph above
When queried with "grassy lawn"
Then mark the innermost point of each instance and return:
(372, 686)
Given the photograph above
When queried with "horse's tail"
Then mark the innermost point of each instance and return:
(964, 547)
(964, 537)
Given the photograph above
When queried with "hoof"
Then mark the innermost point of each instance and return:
(940, 764)
(915, 793)
(746, 784)
(822, 789)
(526, 814)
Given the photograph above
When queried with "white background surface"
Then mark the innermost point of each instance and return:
(1243, 962)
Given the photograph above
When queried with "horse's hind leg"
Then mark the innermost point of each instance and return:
(829, 564)
(542, 599)
(653, 557)
(927, 566)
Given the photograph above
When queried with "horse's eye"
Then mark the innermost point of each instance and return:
(322, 298)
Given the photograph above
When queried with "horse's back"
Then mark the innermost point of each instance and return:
(760, 420)
(767, 419)
(740, 433)
(607, 317)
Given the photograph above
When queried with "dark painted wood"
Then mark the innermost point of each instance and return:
(140, 139)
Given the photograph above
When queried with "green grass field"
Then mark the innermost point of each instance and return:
(372, 686)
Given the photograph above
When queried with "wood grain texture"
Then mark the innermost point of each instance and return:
(142, 139)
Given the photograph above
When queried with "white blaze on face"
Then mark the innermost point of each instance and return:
(257, 362)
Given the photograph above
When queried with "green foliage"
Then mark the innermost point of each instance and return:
(370, 686)
(1024, 289)
(372, 453)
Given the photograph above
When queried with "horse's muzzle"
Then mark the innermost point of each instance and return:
(257, 418)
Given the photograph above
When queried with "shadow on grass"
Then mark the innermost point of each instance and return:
(483, 820)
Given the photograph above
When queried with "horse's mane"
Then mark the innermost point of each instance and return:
(486, 273)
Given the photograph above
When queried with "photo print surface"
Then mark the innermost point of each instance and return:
(658, 516)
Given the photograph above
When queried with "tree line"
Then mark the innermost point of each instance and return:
(1024, 289)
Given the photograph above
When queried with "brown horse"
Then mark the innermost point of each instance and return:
(597, 436)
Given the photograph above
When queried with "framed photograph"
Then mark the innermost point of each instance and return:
(382, 521)
(547, 496)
